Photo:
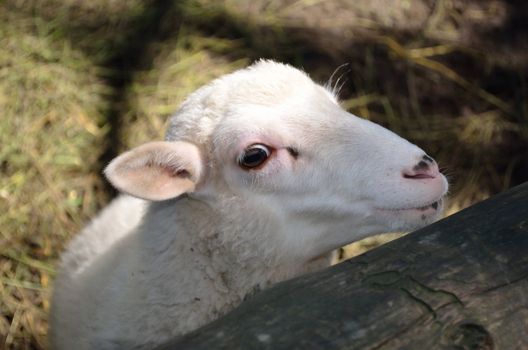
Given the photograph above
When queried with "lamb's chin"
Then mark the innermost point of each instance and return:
(408, 219)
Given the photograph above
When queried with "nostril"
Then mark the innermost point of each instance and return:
(422, 170)
(421, 166)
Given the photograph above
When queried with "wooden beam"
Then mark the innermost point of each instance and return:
(461, 283)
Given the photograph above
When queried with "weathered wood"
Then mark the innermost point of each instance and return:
(461, 283)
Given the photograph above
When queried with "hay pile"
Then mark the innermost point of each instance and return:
(51, 130)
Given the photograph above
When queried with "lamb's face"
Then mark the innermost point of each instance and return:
(279, 144)
(330, 175)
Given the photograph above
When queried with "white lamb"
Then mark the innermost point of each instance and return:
(261, 176)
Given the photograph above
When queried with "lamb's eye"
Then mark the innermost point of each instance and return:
(254, 156)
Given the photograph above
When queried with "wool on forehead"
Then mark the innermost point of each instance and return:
(265, 83)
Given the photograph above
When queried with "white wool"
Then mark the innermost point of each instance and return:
(145, 271)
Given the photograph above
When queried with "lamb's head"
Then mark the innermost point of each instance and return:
(279, 143)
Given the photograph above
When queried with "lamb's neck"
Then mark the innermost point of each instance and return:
(252, 246)
(244, 253)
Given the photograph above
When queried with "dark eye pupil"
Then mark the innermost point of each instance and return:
(254, 157)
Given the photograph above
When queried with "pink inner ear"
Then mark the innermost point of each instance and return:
(157, 170)
(155, 182)
(182, 173)
(170, 171)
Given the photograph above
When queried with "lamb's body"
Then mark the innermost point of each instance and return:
(128, 290)
(145, 271)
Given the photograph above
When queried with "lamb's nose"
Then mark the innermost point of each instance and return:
(426, 168)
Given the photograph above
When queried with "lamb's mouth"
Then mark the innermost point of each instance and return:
(431, 206)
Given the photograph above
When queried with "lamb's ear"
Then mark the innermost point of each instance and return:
(157, 170)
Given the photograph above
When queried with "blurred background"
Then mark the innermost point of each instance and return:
(81, 81)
